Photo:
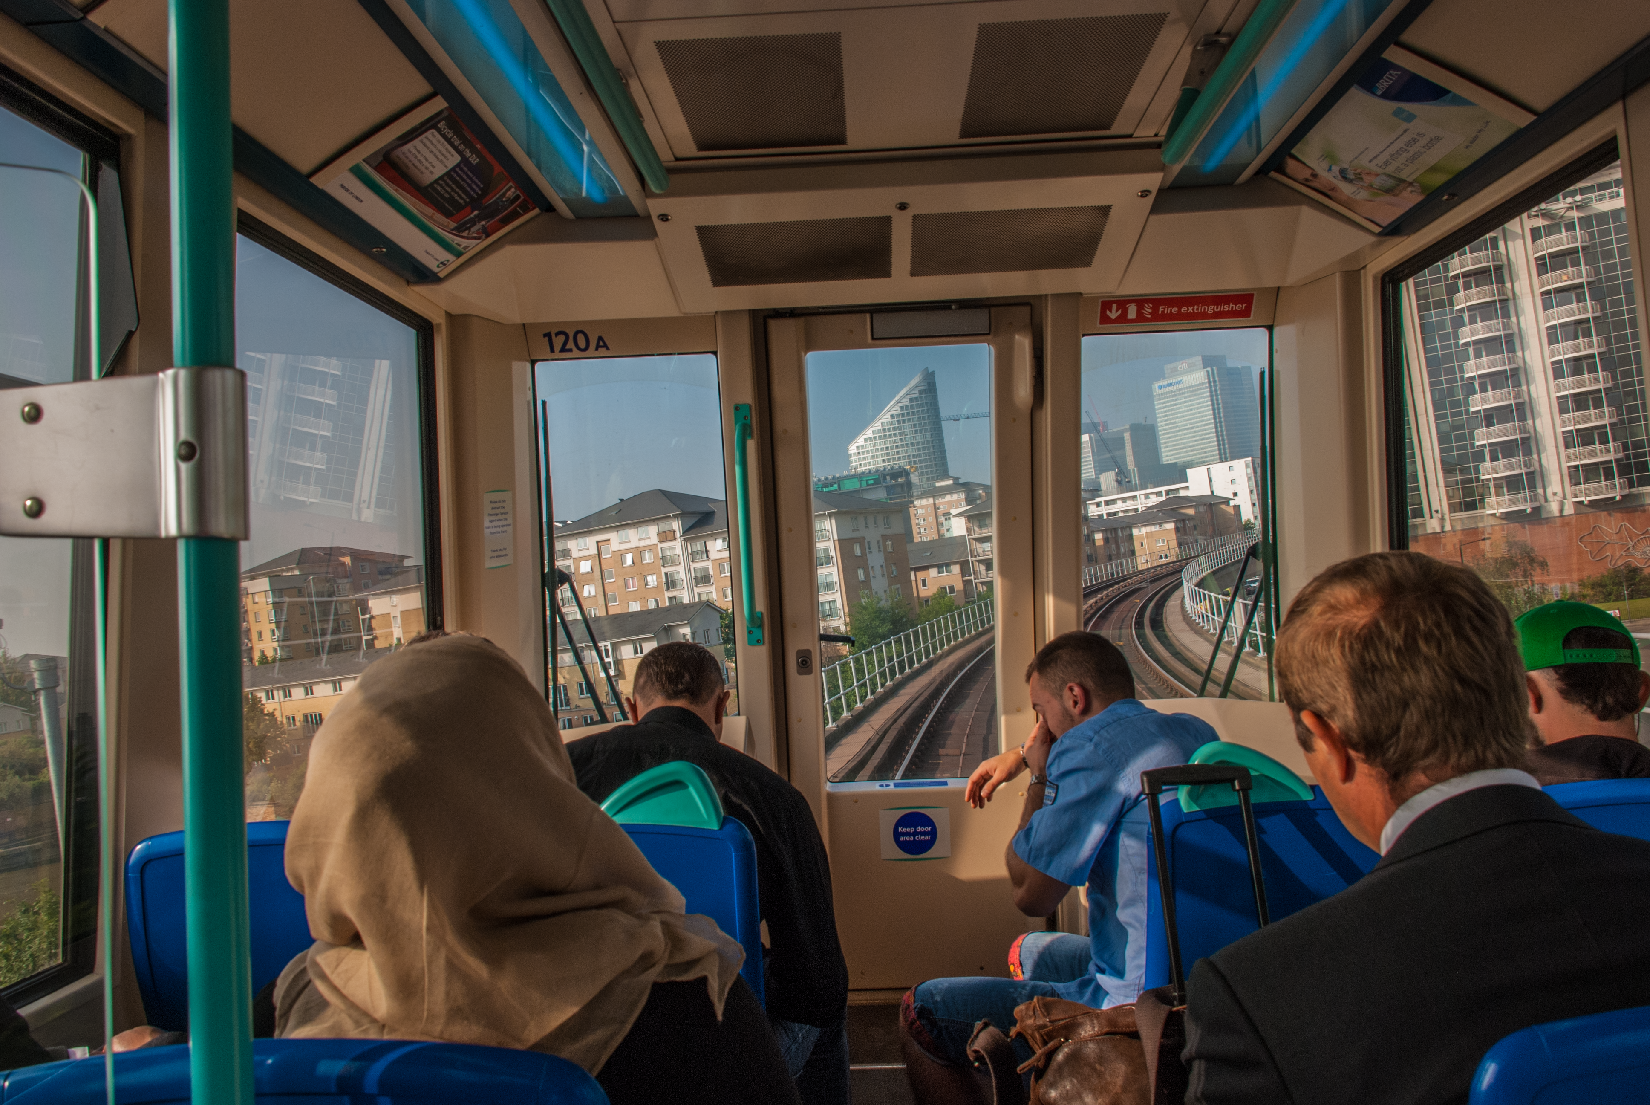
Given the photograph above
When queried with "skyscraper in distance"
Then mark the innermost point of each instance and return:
(1207, 411)
(906, 434)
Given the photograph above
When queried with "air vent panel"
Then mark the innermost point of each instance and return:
(759, 92)
(1024, 239)
(802, 251)
(1055, 76)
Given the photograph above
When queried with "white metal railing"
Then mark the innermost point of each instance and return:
(1600, 489)
(1484, 293)
(1599, 416)
(1498, 362)
(1587, 454)
(1504, 432)
(1506, 466)
(1117, 569)
(1518, 500)
(311, 425)
(310, 391)
(1487, 329)
(1570, 311)
(307, 457)
(1486, 399)
(1206, 608)
(1575, 274)
(1570, 239)
(1479, 260)
(851, 682)
(1589, 382)
(1576, 347)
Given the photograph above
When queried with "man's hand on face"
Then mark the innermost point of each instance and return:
(1038, 748)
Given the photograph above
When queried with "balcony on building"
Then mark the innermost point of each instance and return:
(1552, 316)
(1496, 362)
(1580, 420)
(1484, 293)
(1570, 239)
(1577, 347)
(1484, 400)
(1507, 431)
(1563, 278)
(1591, 381)
(1599, 489)
(1506, 466)
(1517, 500)
(1477, 331)
(1592, 454)
(1471, 262)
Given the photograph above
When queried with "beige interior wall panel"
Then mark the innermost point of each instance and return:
(1530, 51)
(490, 418)
(1264, 726)
(1056, 479)
(1322, 461)
(1257, 234)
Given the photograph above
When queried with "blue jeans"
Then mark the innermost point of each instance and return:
(817, 1059)
(940, 1015)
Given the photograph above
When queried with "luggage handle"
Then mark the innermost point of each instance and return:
(1153, 783)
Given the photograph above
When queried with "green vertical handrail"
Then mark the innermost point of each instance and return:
(1268, 551)
(610, 89)
(209, 645)
(742, 433)
(1225, 620)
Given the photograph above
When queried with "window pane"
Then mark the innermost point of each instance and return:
(636, 479)
(1527, 446)
(333, 576)
(40, 253)
(901, 446)
(1170, 459)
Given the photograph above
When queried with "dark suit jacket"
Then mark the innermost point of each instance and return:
(806, 975)
(1494, 911)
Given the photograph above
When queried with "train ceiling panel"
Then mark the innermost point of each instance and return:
(906, 76)
(308, 77)
(881, 233)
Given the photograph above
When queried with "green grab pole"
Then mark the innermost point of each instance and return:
(742, 434)
(209, 645)
(1268, 553)
(1257, 32)
(610, 89)
(1225, 620)
(1243, 634)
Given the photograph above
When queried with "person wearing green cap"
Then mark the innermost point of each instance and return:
(1586, 690)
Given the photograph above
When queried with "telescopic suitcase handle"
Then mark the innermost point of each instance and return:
(1153, 783)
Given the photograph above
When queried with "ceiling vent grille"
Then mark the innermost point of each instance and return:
(1024, 239)
(759, 92)
(803, 251)
(1055, 76)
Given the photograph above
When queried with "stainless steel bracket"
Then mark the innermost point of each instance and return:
(126, 456)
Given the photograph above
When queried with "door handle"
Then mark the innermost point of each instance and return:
(742, 434)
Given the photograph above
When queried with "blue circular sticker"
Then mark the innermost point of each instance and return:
(915, 833)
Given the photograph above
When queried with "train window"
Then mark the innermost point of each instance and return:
(898, 436)
(1526, 434)
(340, 554)
(635, 459)
(1171, 464)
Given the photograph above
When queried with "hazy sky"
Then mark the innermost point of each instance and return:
(1119, 369)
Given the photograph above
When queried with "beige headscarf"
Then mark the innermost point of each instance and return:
(460, 887)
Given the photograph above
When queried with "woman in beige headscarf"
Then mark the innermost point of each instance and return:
(460, 888)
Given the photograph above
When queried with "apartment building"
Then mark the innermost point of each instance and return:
(977, 528)
(1237, 481)
(860, 551)
(1157, 534)
(303, 604)
(621, 641)
(653, 549)
(301, 693)
(907, 434)
(391, 616)
(942, 565)
(933, 509)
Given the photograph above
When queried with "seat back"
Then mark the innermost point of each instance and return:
(1580, 1061)
(715, 869)
(1306, 855)
(1614, 805)
(672, 793)
(324, 1072)
(1272, 781)
(155, 918)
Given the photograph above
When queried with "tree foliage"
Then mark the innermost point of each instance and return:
(874, 619)
(261, 729)
(937, 607)
(16, 683)
(1628, 581)
(31, 935)
(727, 635)
(1511, 574)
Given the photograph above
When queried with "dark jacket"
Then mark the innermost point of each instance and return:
(1580, 759)
(1494, 911)
(806, 976)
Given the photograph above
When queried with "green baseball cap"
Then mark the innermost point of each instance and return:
(1541, 634)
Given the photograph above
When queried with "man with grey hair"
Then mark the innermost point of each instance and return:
(1491, 909)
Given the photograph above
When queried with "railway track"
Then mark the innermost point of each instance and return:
(1117, 612)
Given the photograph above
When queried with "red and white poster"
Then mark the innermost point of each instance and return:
(1177, 309)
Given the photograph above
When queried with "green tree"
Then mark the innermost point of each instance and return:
(16, 683)
(873, 620)
(1511, 574)
(1628, 581)
(937, 607)
(261, 730)
(31, 936)
(727, 635)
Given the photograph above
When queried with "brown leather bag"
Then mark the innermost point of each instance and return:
(1081, 1055)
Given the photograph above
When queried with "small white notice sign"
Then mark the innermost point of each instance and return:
(916, 832)
(497, 528)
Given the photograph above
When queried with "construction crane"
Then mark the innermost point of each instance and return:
(961, 417)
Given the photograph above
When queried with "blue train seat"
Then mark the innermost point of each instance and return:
(715, 869)
(323, 1072)
(155, 918)
(1580, 1061)
(1306, 855)
(1615, 805)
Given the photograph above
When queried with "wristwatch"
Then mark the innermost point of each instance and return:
(1038, 780)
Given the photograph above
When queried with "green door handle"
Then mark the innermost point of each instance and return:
(742, 433)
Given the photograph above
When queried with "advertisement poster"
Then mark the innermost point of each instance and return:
(1393, 138)
(429, 185)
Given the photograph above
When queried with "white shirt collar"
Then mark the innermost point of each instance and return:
(1406, 814)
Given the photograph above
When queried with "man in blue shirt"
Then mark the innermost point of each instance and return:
(1084, 820)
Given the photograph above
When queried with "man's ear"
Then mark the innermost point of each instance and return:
(722, 703)
(1078, 699)
(1644, 688)
(1538, 697)
(1326, 735)
(630, 709)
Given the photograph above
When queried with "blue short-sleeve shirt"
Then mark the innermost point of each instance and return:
(1093, 828)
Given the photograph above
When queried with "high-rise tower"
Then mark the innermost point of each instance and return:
(907, 433)
(1207, 411)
